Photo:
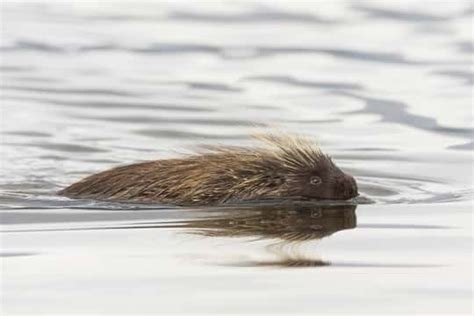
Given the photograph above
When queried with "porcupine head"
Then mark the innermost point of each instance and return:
(291, 167)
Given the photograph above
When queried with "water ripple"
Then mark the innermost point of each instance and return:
(113, 104)
(68, 148)
(466, 77)
(56, 90)
(175, 134)
(306, 84)
(266, 15)
(400, 15)
(237, 52)
(135, 119)
(396, 112)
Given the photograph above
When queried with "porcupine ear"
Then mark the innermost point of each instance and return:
(296, 152)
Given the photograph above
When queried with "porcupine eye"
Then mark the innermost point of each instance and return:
(315, 180)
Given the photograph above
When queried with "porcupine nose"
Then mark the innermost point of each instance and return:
(347, 188)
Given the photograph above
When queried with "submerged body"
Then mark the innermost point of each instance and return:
(290, 168)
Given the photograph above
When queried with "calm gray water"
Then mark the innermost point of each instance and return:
(384, 86)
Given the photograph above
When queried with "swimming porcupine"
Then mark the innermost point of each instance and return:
(290, 168)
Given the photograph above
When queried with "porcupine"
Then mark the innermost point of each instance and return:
(290, 168)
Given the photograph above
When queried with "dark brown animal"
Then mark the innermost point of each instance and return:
(290, 168)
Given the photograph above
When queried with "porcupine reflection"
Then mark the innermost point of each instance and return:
(289, 225)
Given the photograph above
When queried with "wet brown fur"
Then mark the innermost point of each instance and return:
(219, 175)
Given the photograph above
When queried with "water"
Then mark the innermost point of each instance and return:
(385, 87)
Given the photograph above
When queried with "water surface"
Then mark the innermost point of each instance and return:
(385, 88)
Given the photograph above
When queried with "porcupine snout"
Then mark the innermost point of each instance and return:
(346, 187)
